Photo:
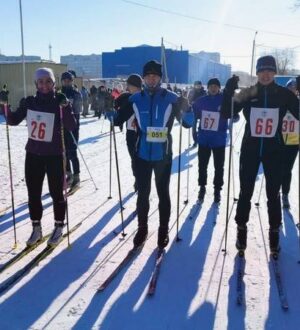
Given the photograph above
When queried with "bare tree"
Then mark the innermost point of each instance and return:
(284, 59)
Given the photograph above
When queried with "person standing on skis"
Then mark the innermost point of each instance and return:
(290, 132)
(72, 138)
(44, 150)
(134, 85)
(155, 109)
(264, 105)
(211, 137)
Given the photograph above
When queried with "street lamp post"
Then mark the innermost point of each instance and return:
(22, 44)
(252, 57)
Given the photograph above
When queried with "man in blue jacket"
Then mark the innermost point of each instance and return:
(211, 137)
(155, 109)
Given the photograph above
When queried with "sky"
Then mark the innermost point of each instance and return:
(96, 26)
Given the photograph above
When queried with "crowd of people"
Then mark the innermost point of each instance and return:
(149, 110)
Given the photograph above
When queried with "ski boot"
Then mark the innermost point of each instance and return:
(241, 238)
(56, 236)
(201, 194)
(140, 237)
(285, 201)
(163, 237)
(274, 242)
(35, 236)
(217, 196)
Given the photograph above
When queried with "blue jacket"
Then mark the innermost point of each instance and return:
(206, 136)
(155, 112)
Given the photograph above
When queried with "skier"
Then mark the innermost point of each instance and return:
(85, 101)
(290, 132)
(196, 92)
(264, 106)
(211, 138)
(44, 150)
(155, 109)
(72, 138)
(134, 85)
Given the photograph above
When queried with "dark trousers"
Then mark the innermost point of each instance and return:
(72, 139)
(288, 160)
(249, 165)
(36, 167)
(162, 172)
(131, 137)
(203, 160)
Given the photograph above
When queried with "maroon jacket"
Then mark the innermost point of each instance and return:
(43, 122)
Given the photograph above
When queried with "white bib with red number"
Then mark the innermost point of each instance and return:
(210, 120)
(290, 124)
(264, 122)
(40, 125)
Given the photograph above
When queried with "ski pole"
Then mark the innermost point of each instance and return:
(10, 175)
(110, 159)
(298, 224)
(178, 182)
(188, 169)
(260, 190)
(118, 178)
(103, 119)
(63, 145)
(73, 137)
(233, 181)
(229, 174)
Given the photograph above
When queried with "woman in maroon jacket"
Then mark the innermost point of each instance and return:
(44, 150)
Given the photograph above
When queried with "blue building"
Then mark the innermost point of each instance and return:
(182, 67)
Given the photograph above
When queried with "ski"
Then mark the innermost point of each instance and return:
(22, 254)
(127, 259)
(27, 250)
(240, 276)
(155, 274)
(3, 211)
(281, 292)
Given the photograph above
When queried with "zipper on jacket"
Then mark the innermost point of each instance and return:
(262, 139)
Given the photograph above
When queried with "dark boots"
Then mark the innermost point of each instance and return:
(201, 194)
(163, 237)
(274, 240)
(241, 237)
(141, 236)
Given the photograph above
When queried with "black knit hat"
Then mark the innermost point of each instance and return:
(134, 80)
(152, 67)
(214, 81)
(266, 63)
(66, 75)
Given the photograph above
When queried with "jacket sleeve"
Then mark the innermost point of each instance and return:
(124, 113)
(183, 112)
(292, 103)
(226, 105)
(14, 118)
(69, 119)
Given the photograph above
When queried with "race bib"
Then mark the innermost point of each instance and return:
(157, 134)
(40, 125)
(210, 120)
(264, 122)
(290, 124)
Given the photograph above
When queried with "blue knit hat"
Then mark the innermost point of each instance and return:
(266, 63)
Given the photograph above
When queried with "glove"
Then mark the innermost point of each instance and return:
(111, 115)
(298, 83)
(4, 96)
(232, 84)
(62, 99)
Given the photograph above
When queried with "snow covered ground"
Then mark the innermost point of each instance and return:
(197, 284)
